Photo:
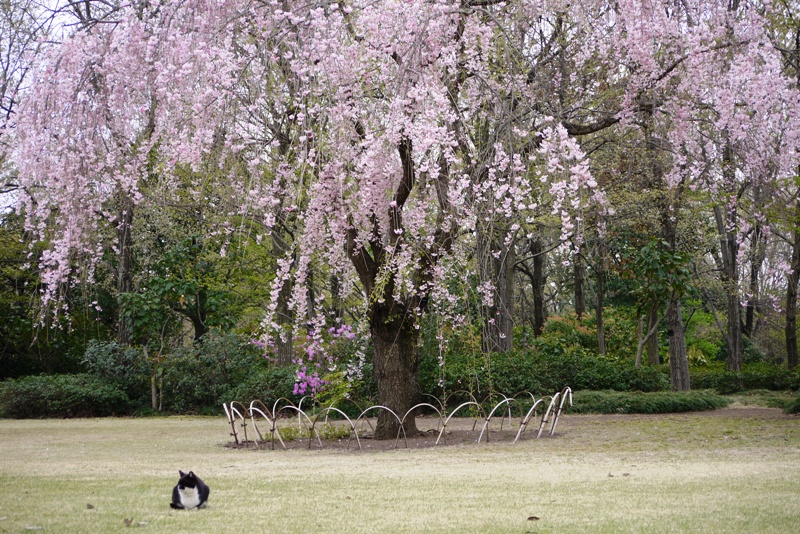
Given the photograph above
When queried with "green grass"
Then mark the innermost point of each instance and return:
(619, 473)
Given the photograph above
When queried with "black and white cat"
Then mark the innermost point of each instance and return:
(189, 493)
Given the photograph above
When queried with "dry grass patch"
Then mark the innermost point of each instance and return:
(734, 470)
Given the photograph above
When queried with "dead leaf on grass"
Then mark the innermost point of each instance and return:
(533, 518)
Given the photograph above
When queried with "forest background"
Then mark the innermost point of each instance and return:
(225, 200)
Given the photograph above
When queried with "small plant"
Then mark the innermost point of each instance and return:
(292, 432)
(334, 432)
(326, 431)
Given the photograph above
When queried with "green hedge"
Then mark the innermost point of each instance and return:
(81, 395)
(539, 372)
(752, 376)
(609, 402)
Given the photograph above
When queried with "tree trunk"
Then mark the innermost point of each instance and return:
(153, 379)
(653, 357)
(758, 251)
(644, 339)
(678, 361)
(496, 266)
(733, 338)
(283, 314)
(790, 329)
(580, 277)
(198, 314)
(601, 290)
(396, 367)
(537, 283)
(284, 342)
(125, 263)
(730, 269)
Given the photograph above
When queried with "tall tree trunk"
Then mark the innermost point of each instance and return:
(790, 329)
(396, 367)
(601, 291)
(678, 360)
(538, 281)
(125, 263)
(758, 252)
(198, 314)
(496, 267)
(644, 338)
(284, 343)
(730, 276)
(580, 280)
(653, 357)
(283, 313)
(726, 228)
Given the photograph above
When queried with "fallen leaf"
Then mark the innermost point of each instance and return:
(127, 522)
(533, 518)
(610, 475)
(90, 507)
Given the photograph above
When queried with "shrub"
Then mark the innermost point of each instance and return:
(266, 385)
(793, 406)
(752, 376)
(81, 395)
(201, 376)
(659, 402)
(122, 366)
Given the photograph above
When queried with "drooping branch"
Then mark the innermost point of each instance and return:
(363, 263)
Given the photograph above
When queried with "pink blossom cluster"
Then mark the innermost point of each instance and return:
(373, 140)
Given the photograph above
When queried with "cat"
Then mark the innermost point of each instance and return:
(189, 493)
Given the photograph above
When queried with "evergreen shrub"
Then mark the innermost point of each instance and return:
(793, 406)
(80, 395)
(610, 402)
(265, 384)
(752, 376)
(201, 376)
(123, 366)
(542, 370)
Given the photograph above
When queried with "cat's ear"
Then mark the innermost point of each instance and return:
(181, 473)
(191, 474)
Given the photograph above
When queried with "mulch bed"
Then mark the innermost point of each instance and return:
(464, 431)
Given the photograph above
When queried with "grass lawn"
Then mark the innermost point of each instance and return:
(736, 470)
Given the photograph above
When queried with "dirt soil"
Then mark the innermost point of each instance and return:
(464, 431)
